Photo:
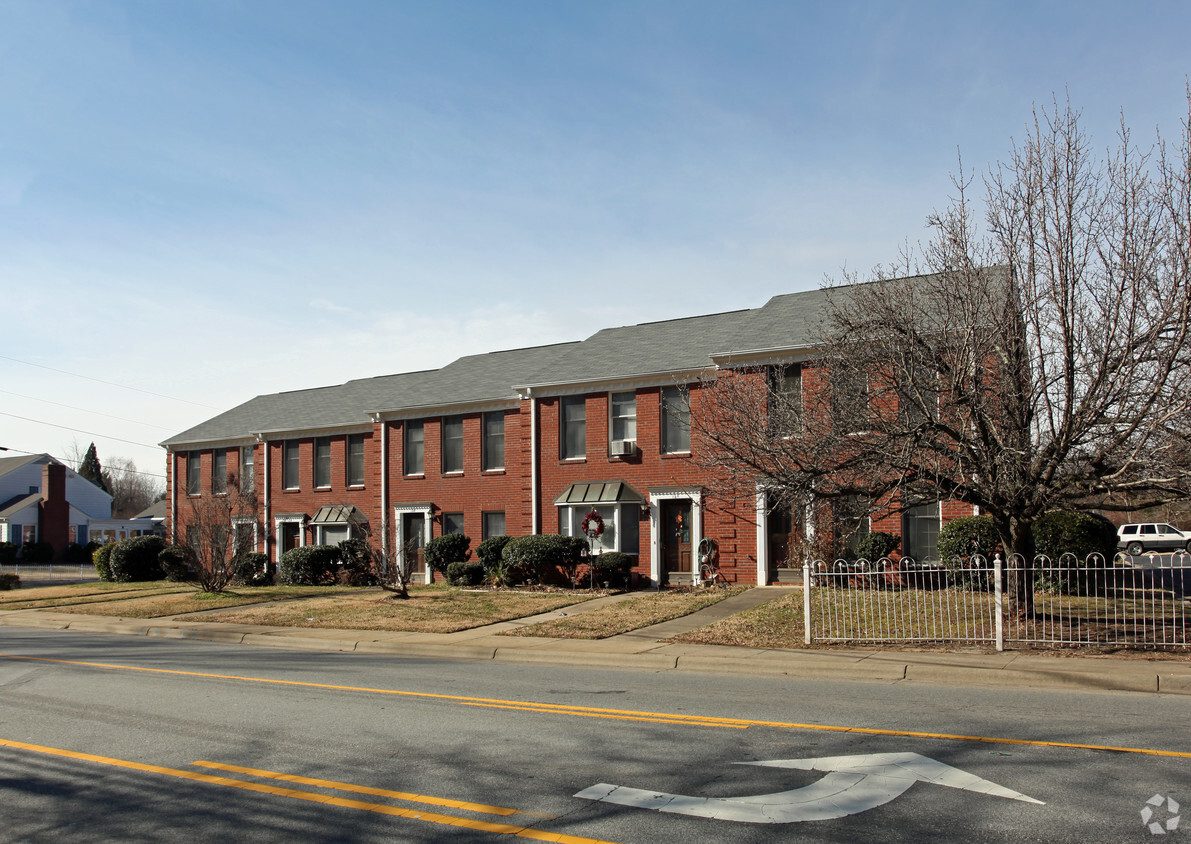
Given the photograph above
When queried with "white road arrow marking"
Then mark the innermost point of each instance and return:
(853, 784)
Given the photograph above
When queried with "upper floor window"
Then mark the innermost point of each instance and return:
(849, 398)
(289, 464)
(247, 469)
(355, 460)
(219, 471)
(573, 435)
(917, 393)
(785, 400)
(622, 409)
(676, 420)
(452, 444)
(415, 448)
(193, 476)
(493, 447)
(322, 462)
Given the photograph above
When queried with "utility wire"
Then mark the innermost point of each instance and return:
(85, 410)
(77, 430)
(69, 462)
(111, 383)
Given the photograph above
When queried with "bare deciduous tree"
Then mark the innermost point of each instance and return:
(132, 490)
(1042, 362)
(217, 530)
(392, 572)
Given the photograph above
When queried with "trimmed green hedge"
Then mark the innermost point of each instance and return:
(441, 551)
(9, 581)
(462, 573)
(310, 565)
(252, 569)
(102, 560)
(37, 552)
(175, 562)
(8, 553)
(135, 559)
(539, 557)
(875, 545)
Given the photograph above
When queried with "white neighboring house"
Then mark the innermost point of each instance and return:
(43, 500)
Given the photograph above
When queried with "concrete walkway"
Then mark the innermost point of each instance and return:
(648, 649)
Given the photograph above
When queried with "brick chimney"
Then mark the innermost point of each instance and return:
(55, 509)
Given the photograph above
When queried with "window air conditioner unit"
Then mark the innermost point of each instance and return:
(624, 448)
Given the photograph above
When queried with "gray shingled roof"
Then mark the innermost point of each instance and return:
(11, 464)
(786, 321)
(676, 345)
(478, 378)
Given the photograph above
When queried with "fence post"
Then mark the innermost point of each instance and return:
(999, 592)
(806, 601)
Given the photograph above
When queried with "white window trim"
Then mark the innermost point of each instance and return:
(612, 419)
(240, 520)
(655, 533)
(626, 514)
(399, 531)
(278, 521)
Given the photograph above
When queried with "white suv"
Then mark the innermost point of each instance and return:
(1154, 536)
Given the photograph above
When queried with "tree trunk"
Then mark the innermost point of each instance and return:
(1022, 543)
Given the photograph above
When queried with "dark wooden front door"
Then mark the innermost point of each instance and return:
(786, 527)
(676, 536)
(413, 533)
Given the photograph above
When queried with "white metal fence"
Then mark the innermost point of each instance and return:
(1064, 602)
(51, 571)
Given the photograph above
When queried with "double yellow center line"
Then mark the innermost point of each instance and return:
(619, 714)
(326, 799)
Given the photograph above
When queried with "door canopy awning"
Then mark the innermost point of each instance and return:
(600, 492)
(339, 514)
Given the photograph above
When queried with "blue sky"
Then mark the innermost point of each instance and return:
(210, 200)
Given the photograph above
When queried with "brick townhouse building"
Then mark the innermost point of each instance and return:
(525, 441)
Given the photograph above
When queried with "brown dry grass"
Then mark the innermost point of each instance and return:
(189, 600)
(430, 609)
(624, 616)
(43, 597)
(774, 624)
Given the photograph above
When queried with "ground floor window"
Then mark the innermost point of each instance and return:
(494, 524)
(620, 525)
(920, 532)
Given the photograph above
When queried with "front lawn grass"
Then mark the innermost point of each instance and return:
(49, 597)
(188, 600)
(429, 609)
(774, 624)
(631, 614)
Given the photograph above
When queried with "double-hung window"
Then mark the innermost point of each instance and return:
(622, 409)
(676, 421)
(494, 524)
(322, 462)
(193, 473)
(414, 448)
(355, 460)
(573, 436)
(493, 447)
(289, 464)
(452, 444)
(452, 523)
(219, 471)
(785, 400)
(247, 469)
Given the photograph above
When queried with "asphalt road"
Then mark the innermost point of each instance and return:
(173, 741)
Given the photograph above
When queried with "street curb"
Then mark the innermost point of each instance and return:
(944, 674)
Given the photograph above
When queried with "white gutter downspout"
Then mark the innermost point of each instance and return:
(173, 497)
(384, 485)
(533, 462)
(268, 526)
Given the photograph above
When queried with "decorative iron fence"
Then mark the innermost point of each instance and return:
(1132, 602)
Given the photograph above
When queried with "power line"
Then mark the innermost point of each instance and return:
(85, 410)
(111, 383)
(76, 430)
(69, 462)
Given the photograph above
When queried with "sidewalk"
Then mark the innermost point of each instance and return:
(646, 649)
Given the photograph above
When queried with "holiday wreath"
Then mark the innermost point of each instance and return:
(592, 525)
